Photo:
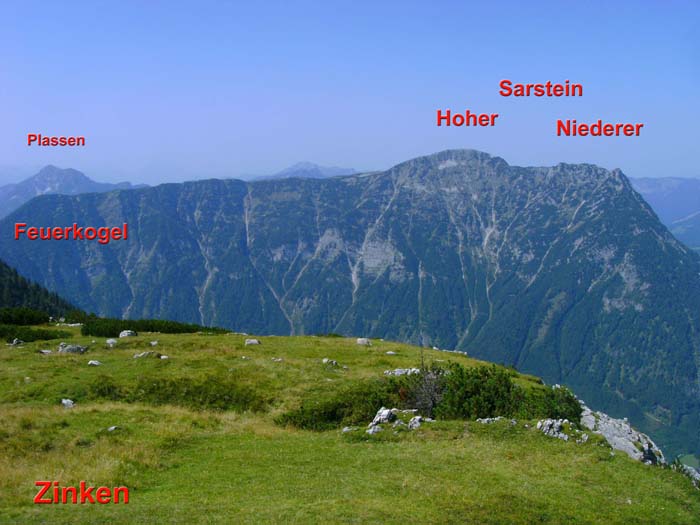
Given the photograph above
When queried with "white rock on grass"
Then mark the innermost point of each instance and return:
(364, 341)
(164, 357)
(45, 352)
(249, 342)
(111, 343)
(67, 403)
(93, 362)
(553, 428)
(390, 353)
(402, 372)
(154, 343)
(65, 348)
(384, 415)
(489, 420)
(127, 333)
(415, 422)
(329, 362)
(149, 353)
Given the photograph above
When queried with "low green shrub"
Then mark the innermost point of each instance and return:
(10, 332)
(481, 392)
(207, 392)
(351, 405)
(99, 327)
(555, 403)
(457, 392)
(484, 391)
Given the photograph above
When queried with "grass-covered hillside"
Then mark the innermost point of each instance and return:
(220, 432)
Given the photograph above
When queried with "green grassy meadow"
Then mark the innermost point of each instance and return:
(233, 462)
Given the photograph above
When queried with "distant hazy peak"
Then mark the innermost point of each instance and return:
(308, 170)
(52, 179)
(326, 171)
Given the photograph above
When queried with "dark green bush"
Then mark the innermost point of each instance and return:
(111, 327)
(482, 391)
(356, 404)
(22, 316)
(453, 393)
(26, 334)
(555, 403)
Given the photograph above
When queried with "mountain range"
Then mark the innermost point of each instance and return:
(677, 203)
(51, 179)
(563, 271)
(306, 170)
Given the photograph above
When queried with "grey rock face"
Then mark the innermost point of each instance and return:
(621, 436)
(65, 348)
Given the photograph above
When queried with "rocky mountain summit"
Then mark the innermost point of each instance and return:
(49, 180)
(564, 271)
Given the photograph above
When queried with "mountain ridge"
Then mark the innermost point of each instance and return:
(16, 292)
(53, 180)
(562, 271)
(306, 170)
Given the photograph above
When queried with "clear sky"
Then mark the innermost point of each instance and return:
(172, 91)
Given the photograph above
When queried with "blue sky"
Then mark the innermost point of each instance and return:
(173, 91)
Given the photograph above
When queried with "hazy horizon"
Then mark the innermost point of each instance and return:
(183, 92)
